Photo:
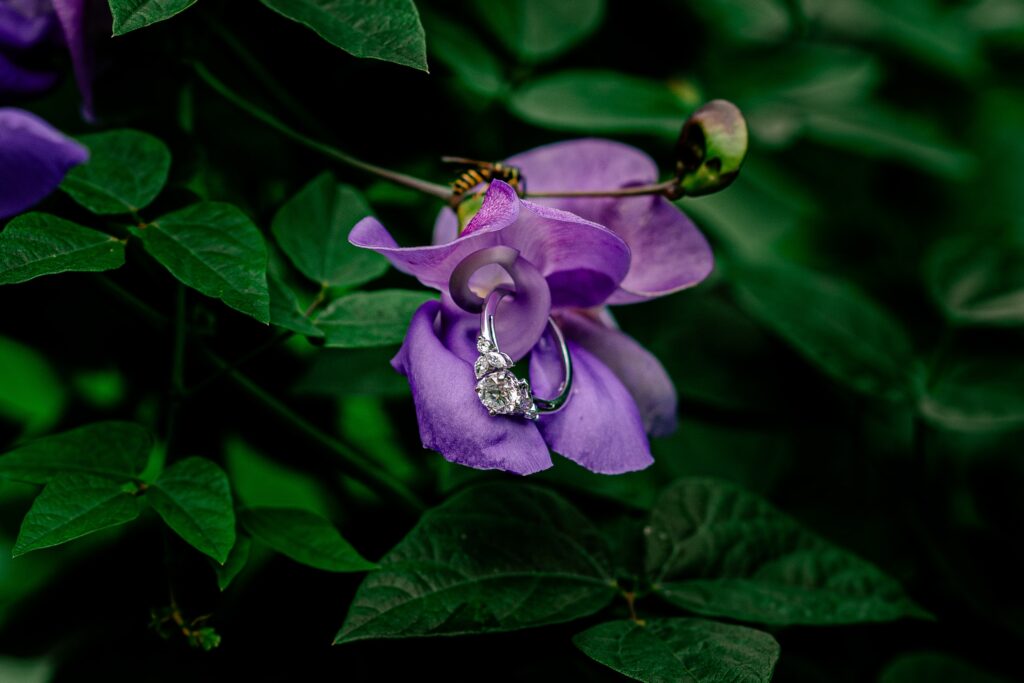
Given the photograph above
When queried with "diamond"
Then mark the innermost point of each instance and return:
(501, 392)
(481, 367)
(484, 345)
(498, 361)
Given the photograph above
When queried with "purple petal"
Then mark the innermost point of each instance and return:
(582, 261)
(600, 427)
(520, 318)
(34, 157)
(587, 164)
(639, 371)
(668, 252)
(18, 81)
(458, 330)
(24, 23)
(450, 416)
(446, 227)
(71, 15)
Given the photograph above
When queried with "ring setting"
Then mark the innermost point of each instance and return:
(500, 391)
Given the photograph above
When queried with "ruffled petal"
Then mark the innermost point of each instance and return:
(600, 427)
(34, 157)
(668, 251)
(639, 371)
(432, 265)
(582, 261)
(72, 17)
(451, 418)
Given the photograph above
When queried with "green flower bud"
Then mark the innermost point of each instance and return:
(711, 148)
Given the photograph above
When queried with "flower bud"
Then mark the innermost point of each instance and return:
(711, 148)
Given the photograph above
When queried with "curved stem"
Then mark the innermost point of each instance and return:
(427, 187)
(669, 188)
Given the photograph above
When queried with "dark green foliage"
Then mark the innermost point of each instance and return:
(492, 558)
(841, 502)
(689, 650)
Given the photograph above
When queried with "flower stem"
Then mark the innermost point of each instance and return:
(669, 188)
(427, 187)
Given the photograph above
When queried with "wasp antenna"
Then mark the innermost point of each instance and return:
(464, 160)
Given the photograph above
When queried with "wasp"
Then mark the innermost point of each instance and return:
(481, 172)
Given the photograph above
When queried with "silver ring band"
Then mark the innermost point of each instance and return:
(500, 391)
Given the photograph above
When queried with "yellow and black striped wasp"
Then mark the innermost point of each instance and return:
(481, 173)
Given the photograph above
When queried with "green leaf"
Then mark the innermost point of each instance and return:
(385, 29)
(35, 244)
(536, 30)
(73, 505)
(125, 172)
(31, 391)
(976, 393)
(462, 50)
(285, 310)
(353, 372)
(214, 248)
(833, 325)
(132, 14)
(194, 498)
(684, 650)
(978, 282)
(717, 550)
(367, 319)
(929, 667)
(237, 559)
(601, 102)
(367, 423)
(746, 20)
(261, 482)
(116, 450)
(313, 227)
(492, 558)
(305, 537)
(880, 131)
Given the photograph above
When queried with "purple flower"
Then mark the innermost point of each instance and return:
(34, 157)
(571, 257)
(27, 24)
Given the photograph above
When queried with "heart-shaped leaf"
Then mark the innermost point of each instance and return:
(492, 558)
(36, 244)
(194, 497)
(717, 550)
(687, 650)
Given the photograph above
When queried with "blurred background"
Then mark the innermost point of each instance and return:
(857, 355)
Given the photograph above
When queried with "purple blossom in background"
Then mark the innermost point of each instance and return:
(575, 256)
(34, 157)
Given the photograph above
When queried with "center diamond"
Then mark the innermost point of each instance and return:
(501, 392)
